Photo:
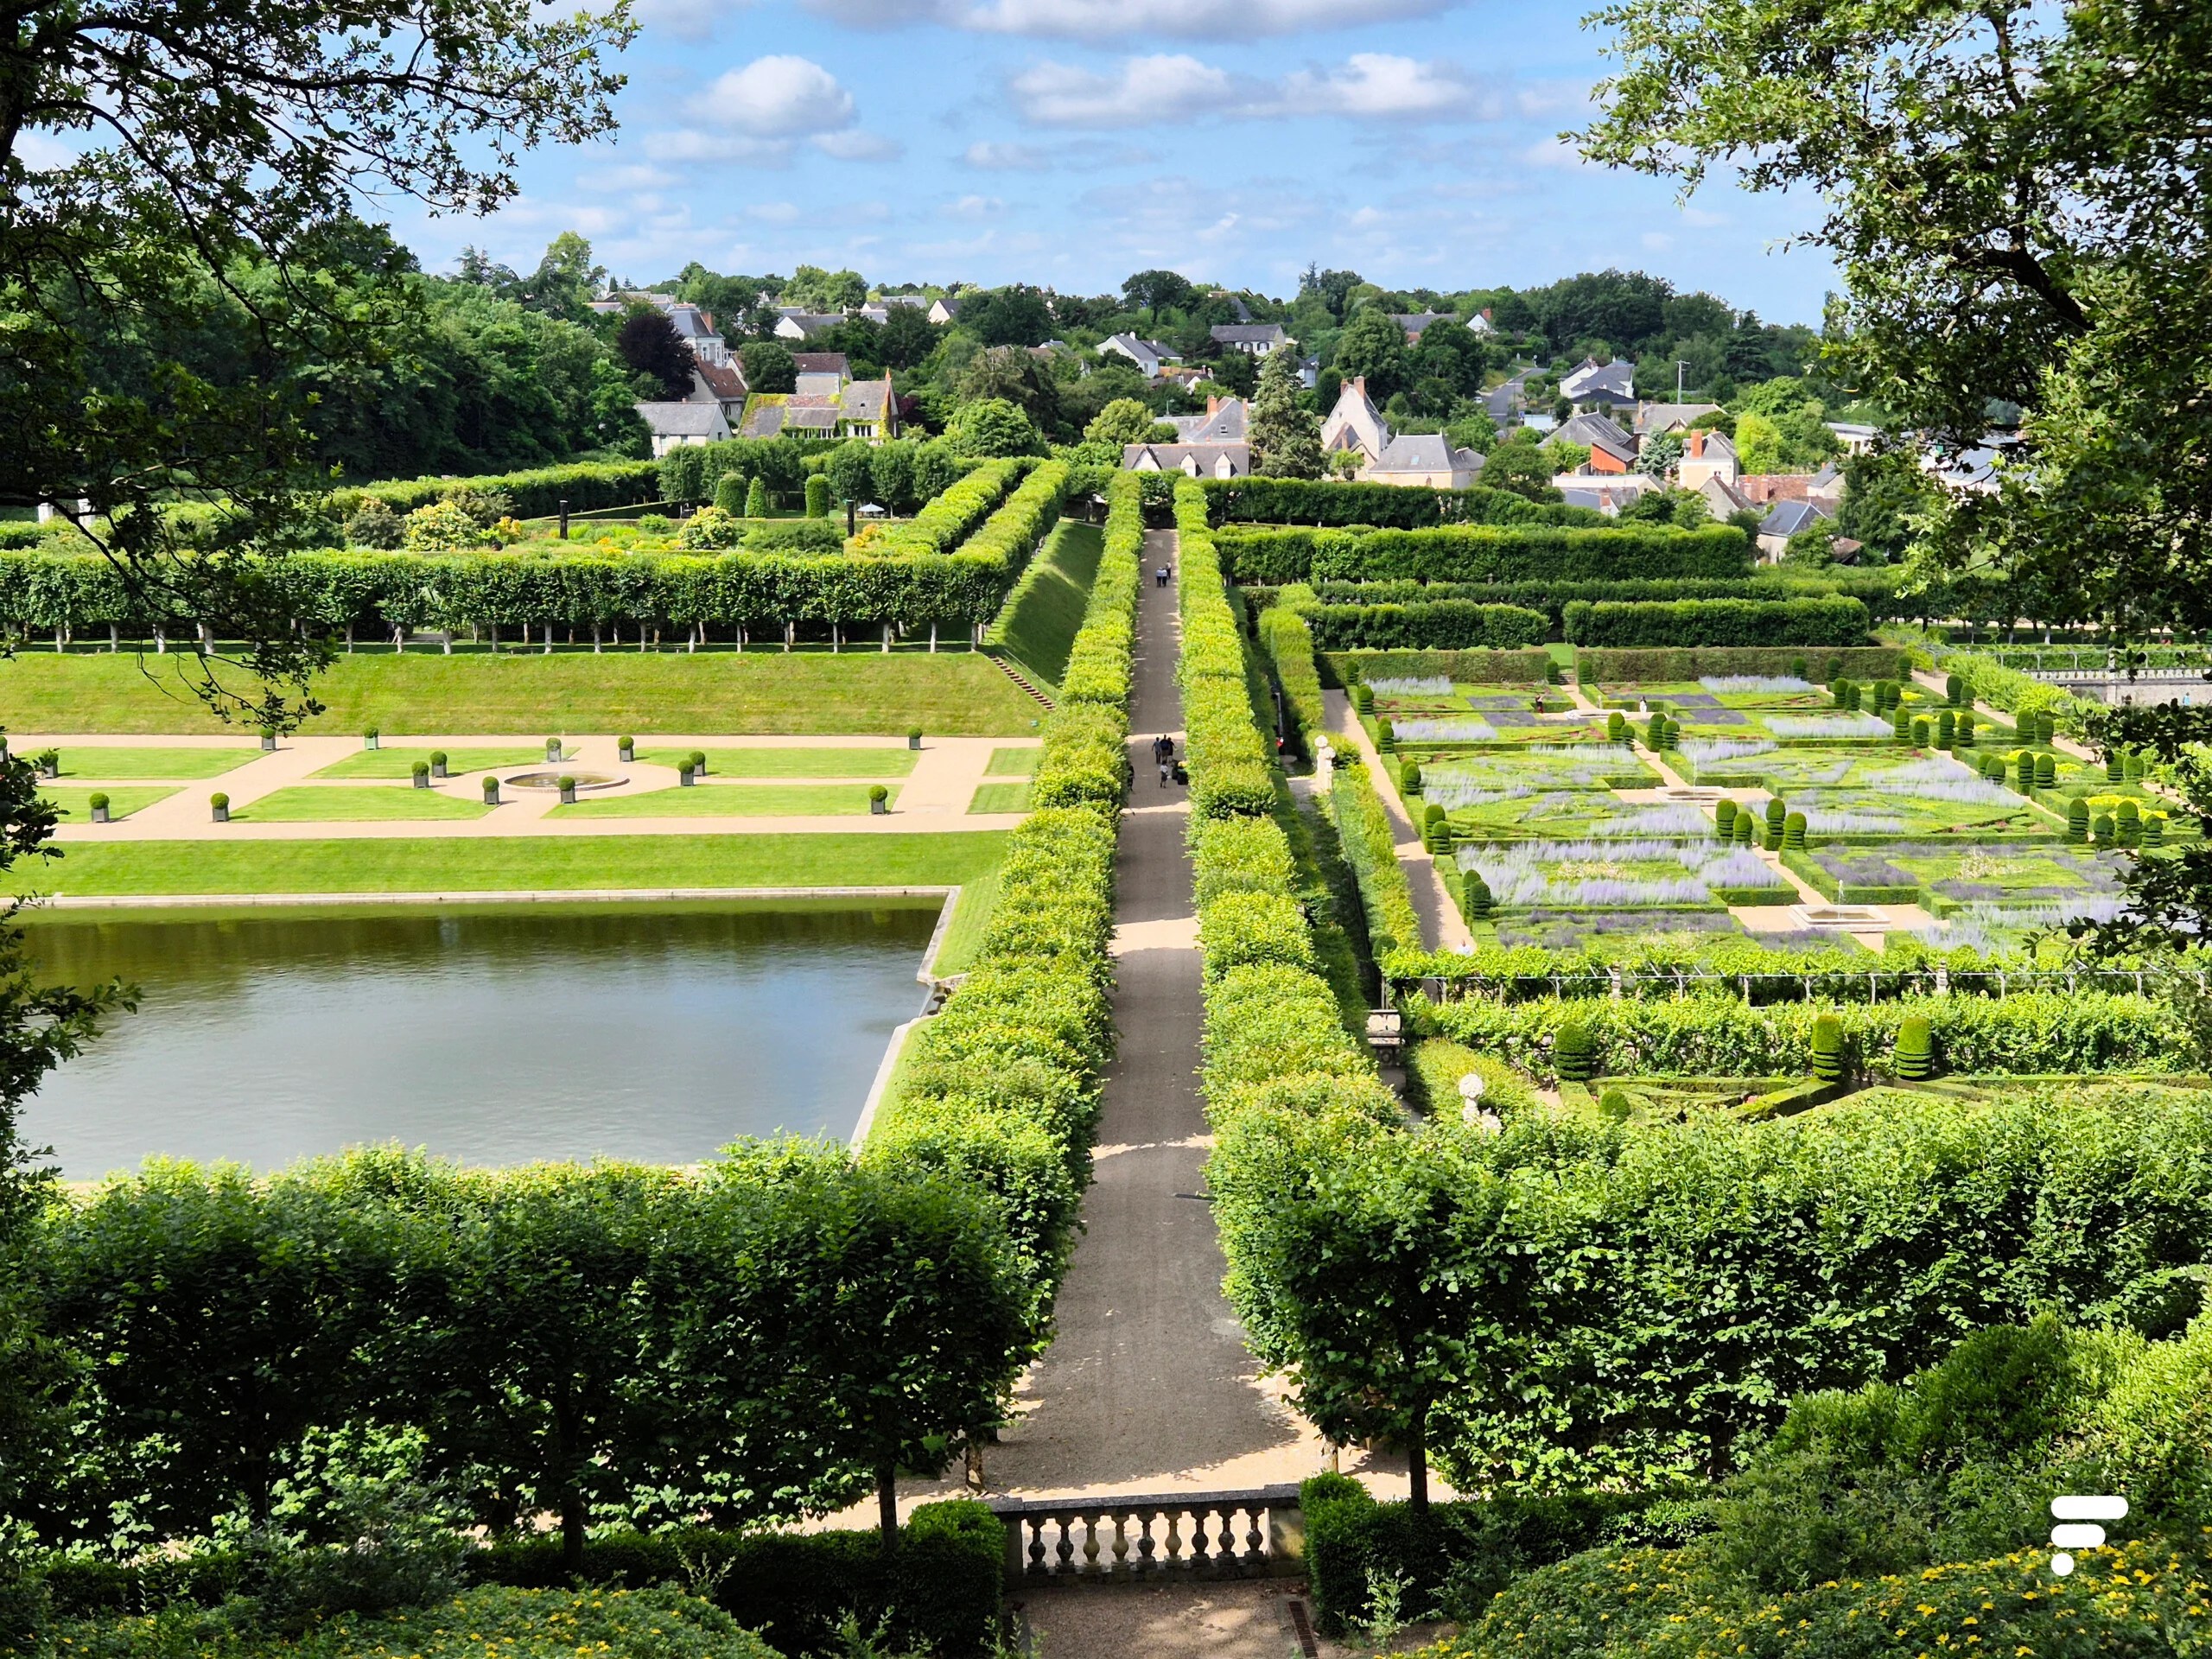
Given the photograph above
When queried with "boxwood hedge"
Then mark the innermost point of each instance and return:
(1485, 553)
(1300, 501)
(1834, 619)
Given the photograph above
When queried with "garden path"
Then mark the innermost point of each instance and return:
(1442, 927)
(933, 796)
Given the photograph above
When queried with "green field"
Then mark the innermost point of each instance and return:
(310, 805)
(511, 864)
(104, 764)
(856, 692)
(400, 763)
(1014, 763)
(1041, 628)
(793, 763)
(77, 803)
(728, 801)
(1001, 798)
(978, 898)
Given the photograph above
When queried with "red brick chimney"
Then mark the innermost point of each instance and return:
(1213, 405)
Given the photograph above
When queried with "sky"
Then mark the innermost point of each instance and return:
(1068, 142)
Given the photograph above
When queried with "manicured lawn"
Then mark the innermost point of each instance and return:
(1042, 630)
(355, 805)
(1014, 763)
(76, 804)
(727, 801)
(793, 763)
(978, 898)
(1001, 798)
(511, 864)
(856, 691)
(104, 764)
(400, 763)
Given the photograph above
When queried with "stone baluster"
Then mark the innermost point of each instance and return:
(1145, 1545)
(1036, 1569)
(1255, 1555)
(1065, 1551)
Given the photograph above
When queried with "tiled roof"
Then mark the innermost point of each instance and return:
(1169, 458)
(1241, 333)
(866, 400)
(822, 363)
(683, 419)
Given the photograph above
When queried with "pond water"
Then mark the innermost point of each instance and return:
(495, 1035)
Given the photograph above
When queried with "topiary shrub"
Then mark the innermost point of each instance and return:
(1616, 726)
(420, 771)
(2077, 821)
(1777, 814)
(491, 791)
(2046, 771)
(756, 500)
(1386, 736)
(2115, 768)
(1954, 692)
(1965, 729)
(1946, 729)
(1901, 724)
(698, 759)
(913, 737)
(1363, 697)
(2154, 829)
(1475, 900)
(1723, 816)
(2103, 830)
(2135, 767)
(1573, 1053)
(1614, 1104)
(1796, 668)
(1915, 1056)
(1435, 829)
(878, 799)
(1827, 1049)
(2129, 818)
(817, 497)
(2023, 769)
(1745, 831)
(220, 805)
(626, 749)
(1840, 689)
(373, 524)
(1792, 832)
(1654, 731)
(729, 494)
(1920, 734)
(1409, 777)
(1670, 733)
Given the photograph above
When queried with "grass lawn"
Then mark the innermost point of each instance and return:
(727, 801)
(1014, 763)
(354, 805)
(793, 763)
(978, 898)
(400, 763)
(853, 692)
(512, 863)
(1001, 798)
(104, 764)
(1041, 628)
(77, 803)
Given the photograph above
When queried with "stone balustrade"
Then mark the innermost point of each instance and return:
(1256, 1533)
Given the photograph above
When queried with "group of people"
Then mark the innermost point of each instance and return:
(1171, 769)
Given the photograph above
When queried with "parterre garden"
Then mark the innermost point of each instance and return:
(1669, 1244)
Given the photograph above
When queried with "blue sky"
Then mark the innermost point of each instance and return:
(1072, 142)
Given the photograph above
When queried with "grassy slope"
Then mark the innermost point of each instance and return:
(1040, 630)
(502, 863)
(856, 693)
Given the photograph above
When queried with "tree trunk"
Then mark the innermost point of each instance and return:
(595, 639)
(886, 1504)
(1417, 1470)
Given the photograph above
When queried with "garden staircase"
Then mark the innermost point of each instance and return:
(1021, 680)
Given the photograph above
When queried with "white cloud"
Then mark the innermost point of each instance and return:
(859, 146)
(1553, 152)
(775, 212)
(688, 20)
(1380, 85)
(1079, 153)
(1101, 19)
(976, 207)
(1658, 241)
(1166, 86)
(1176, 87)
(625, 178)
(777, 97)
(1700, 219)
(688, 145)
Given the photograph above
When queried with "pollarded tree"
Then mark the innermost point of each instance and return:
(1286, 435)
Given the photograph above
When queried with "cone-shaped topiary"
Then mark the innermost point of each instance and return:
(1946, 729)
(1475, 900)
(2046, 771)
(2115, 769)
(1616, 726)
(2023, 768)
(1793, 831)
(1920, 734)
(1386, 736)
(1363, 697)
(2077, 821)
(1827, 1048)
(1745, 832)
(756, 500)
(2104, 829)
(1409, 777)
(1574, 1055)
(817, 497)
(1724, 815)
(1915, 1056)
(1966, 730)
(1955, 690)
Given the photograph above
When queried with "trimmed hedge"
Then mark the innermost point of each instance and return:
(2033, 1034)
(949, 519)
(1230, 761)
(1616, 665)
(588, 486)
(1370, 845)
(1485, 553)
(1989, 681)
(781, 465)
(1327, 502)
(1447, 624)
(1285, 637)
(1836, 619)
(1526, 667)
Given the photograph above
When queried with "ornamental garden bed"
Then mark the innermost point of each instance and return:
(1639, 875)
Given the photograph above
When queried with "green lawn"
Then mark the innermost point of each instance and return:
(978, 898)
(1014, 763)
(512, 863)
(1001, 798)
(104, 764)
(727, 801)
(793, 763)
(400, 763)
(1039, 629)
(855, 692)
(77, 803)
(355, 805)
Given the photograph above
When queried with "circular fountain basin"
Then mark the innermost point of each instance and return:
(550, 777)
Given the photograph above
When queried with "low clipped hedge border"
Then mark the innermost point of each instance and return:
(1303, 501)
(1473, 553)
(1371, 844)
(1287, 639)
(1346, 668)
(940, 1589)
(1835, 620)
(1446, 625)
(587, 486)
(2033, 1034)
(1617, 665)
(1989, 681)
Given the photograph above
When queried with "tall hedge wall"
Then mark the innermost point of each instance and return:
(1447, 625)
(1526, 667)
(1302, 501)
(1616, 665)
(1486, 553)
(1836, 619)
(587, 486)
